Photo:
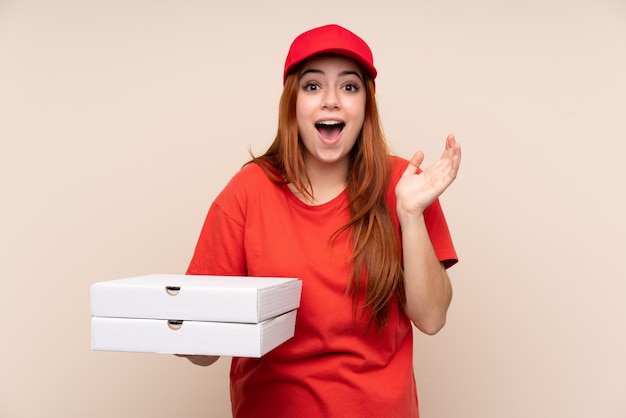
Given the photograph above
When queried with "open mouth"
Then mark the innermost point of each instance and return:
(329, 129)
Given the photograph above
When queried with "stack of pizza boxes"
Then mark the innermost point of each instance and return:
(195, 315)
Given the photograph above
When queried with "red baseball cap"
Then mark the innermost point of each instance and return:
(330, 39)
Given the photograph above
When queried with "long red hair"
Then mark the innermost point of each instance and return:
(376, 270)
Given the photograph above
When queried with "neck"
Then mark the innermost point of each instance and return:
(327, 181)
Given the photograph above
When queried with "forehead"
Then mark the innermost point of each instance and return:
(331, 61)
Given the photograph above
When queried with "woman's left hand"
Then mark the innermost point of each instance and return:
(415, 190)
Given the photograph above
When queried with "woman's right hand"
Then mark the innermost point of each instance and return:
(199, 360)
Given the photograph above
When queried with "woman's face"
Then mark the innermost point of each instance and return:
(330, 109)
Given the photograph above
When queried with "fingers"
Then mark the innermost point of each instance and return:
(456, 152)
(415, 162)
(199, 360)
(452, 146)
(451, 155)
(450, 141)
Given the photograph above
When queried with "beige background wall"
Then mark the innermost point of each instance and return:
(121, 120)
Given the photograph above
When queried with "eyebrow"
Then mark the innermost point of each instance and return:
(341, 74)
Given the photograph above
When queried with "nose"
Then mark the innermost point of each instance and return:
(330, 99)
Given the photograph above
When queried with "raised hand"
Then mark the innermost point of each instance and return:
(416, 190)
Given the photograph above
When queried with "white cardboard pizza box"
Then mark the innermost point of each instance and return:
(191, 337)
(198, 298)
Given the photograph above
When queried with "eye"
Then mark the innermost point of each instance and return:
(310, 87)
(351, 87)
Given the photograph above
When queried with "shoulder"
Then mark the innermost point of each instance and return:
(250, 177)
(398, 162)
(249, 172)
(397, 166)
(250, 182)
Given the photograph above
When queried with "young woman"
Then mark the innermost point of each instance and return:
(362, 229)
